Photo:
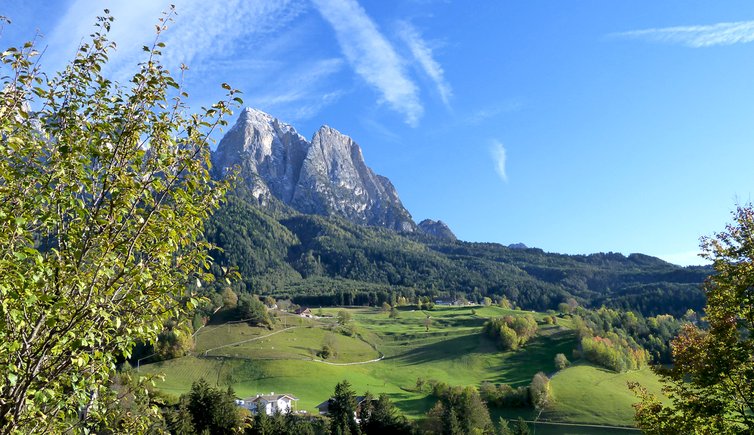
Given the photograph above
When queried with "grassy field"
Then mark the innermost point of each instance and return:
(588, 394)
(452, 350)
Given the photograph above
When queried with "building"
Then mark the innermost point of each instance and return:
(324, 407)
(269, 403)
(304, 312)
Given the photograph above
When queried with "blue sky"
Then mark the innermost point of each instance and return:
(576, 127)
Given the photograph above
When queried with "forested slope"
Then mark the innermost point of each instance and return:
(333, 261)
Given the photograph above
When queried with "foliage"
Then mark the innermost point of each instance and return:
(504, 396)
(103, 195)
(253, 311)
(344, 317)
(652, 334)
(285, 424)
(511, 331)
(342, 410)
(521, 427)
(381, 417)
(325, 352)
(174, 341)
(539, 391)
(213, 410)
(561, 361)
(711, 384)
(229, 298)
(459, 410)
(613, 353)
(328, 261)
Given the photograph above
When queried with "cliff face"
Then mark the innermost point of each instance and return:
(437, 229)
(327, 176)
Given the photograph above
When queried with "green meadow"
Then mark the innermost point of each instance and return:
(388, 355)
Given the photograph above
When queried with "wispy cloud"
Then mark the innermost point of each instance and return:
(201, 31)
(697, 36)
(423, 55)
(486, 113)
(372, 56)
(298, 94)
(500, 159)
(235, 41)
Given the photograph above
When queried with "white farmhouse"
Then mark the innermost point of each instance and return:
(269, 403)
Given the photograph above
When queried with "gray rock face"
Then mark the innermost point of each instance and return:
(437, 229)
(325, 176)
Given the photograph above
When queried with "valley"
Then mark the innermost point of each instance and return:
(388, 355)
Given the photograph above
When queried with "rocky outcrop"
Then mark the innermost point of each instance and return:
(437, 229)
(327, 176)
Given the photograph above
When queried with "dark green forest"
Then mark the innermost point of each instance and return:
(318, 260)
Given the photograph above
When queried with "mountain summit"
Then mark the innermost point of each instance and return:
(327, 176)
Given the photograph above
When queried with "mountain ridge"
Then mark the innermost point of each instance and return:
(324, 176)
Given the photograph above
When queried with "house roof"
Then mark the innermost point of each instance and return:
(269, 397)
(302, 310)
(325, 406)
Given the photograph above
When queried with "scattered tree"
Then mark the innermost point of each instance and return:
(344, 317)
(252, 310)
(394, 313)
(539, 391)
(561, 361)
(175, 341)
(230, 298)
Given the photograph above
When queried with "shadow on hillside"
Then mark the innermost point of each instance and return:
(449, 349)
(536, 356)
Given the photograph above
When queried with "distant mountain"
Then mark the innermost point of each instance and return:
(312, 221)
(436, 229)
(327, 260)
(327, 176)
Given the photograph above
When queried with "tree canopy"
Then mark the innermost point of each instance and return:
(104, 189)
(711, 384)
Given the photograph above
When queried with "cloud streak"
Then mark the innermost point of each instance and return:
(740, 32)
(298, 94)
(499, 158)
(423, 55)
(236, 41)
(201, 31)
(372, 56)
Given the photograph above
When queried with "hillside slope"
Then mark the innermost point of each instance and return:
(329, 261)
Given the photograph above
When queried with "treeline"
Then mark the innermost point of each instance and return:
(511, 332)
(631, 331)
(331, 261)
(613, 352)
(464, 410)
(206, 409)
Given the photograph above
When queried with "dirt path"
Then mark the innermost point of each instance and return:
(351, 363)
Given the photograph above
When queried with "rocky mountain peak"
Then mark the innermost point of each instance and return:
(437, 229)
(325, 176)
